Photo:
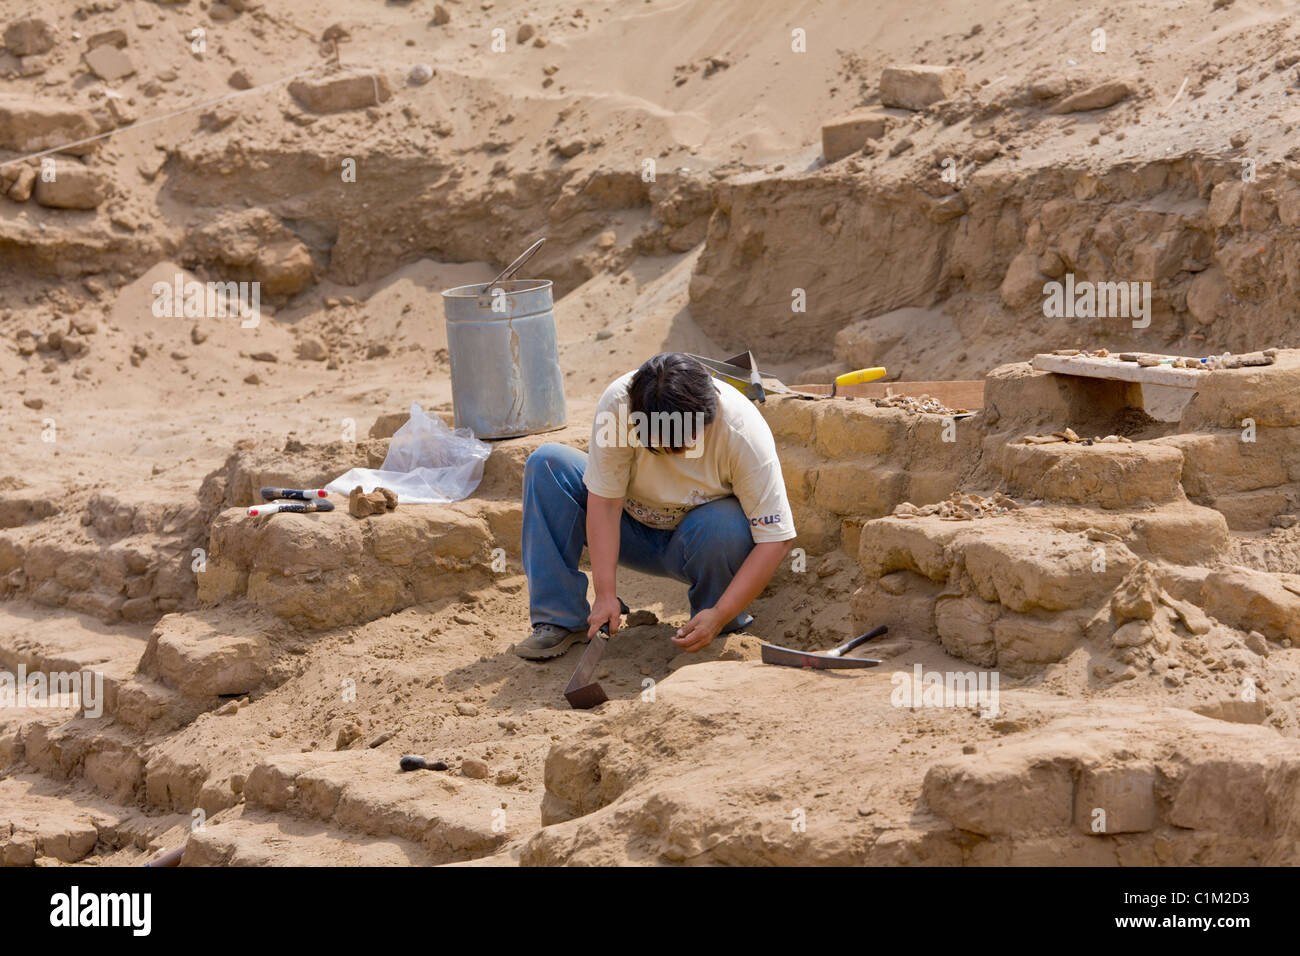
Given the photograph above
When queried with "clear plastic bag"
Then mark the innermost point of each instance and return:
(427, 463)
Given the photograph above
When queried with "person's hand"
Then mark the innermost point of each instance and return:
(606, 610)
(699, 632)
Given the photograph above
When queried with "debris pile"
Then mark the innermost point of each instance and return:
(960, 506)
(1070, 436)
(1153, 359)
(919, 403)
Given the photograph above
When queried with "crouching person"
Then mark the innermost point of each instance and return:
(682, 481)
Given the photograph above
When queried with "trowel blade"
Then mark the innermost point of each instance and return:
(582, 692)
(772, 654)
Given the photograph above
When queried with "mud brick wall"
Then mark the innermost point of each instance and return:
(845, 461)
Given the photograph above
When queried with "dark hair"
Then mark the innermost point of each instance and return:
(675, 394)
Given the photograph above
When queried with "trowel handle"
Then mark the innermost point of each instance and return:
(860, 639)
(860, 376)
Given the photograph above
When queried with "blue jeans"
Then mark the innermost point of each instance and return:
(705, 550)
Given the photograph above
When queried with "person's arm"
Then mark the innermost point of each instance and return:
(604, 519)
(754, 574)
(756, 480)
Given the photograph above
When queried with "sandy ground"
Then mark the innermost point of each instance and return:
(120, 425)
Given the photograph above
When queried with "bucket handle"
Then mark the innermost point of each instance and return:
(514, 266)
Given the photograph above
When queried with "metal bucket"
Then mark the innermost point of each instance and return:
(505, 366)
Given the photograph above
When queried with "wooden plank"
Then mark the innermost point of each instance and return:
(953, 394)
(1119, 371)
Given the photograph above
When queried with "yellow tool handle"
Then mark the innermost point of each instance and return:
(860, 376)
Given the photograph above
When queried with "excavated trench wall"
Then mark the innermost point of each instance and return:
(1221, 254)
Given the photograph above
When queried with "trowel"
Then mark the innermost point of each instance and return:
(582, 692)
(833, 659)
(742, 373)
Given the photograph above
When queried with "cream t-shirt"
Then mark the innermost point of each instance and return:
(738, 456)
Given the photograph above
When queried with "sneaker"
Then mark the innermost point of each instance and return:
(549, 640)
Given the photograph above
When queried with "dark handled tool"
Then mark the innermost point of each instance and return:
(299, 507)
(297, 494)
(833, 659)
(582, 691)
(415, 762)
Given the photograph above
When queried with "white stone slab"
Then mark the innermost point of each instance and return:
(1119, 371)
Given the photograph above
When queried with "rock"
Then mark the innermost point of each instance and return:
(240, 80)
(1225, 203)
(1096, 97)
(73, 187)
(440, 15)
(1258, 643)
(264, 357)
(120, 110)
(379, 501)
(1022, 286)
(21, 190)
(847, 134)
(525, 33)
(1137, 596)
(284, 268)
(200, 661)
(335, 31)
(1049, 88)
(466, 710)
(312, 349)
(115, 38)
(1133, 634)
(109, 63)
(30, 36)
(641, 619)
(73, 345)
(26, 342)
(505, 777)
(36, 404)
(474, 768)
(607, 239)
(334, 94)
(916, 87)
(902, 146)
(33, 65)
(604, 334)
(1252, 601)
(1207, 294)
(347, 734)
(29, 126)
(420, 74)
(1194, 619)
(571, 148)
